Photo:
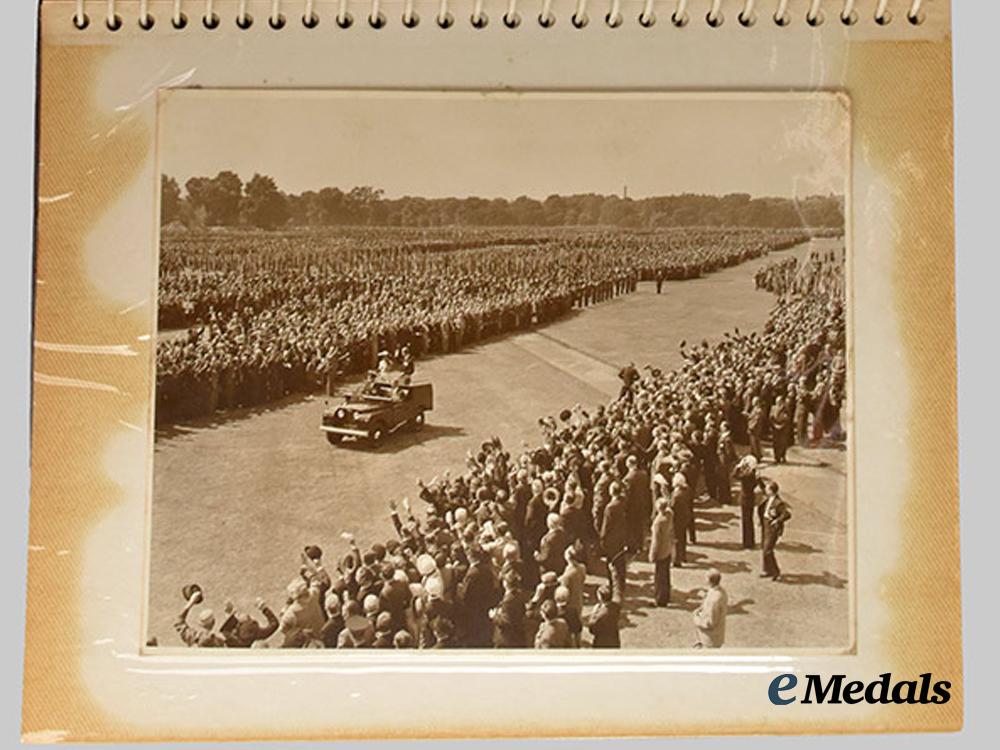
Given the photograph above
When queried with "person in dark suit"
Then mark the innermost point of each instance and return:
(508, 615)
(614, 540)
(477, 594)
(680, 502)
(629, 377)
(781, 425)
(746, 473)
(603, 620)
(774, 514)
(727, 459)
(803, 407)
(639, 501)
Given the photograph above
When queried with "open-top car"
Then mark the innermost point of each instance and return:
(377, 411)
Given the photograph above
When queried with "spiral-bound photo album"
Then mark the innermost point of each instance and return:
(493, 369)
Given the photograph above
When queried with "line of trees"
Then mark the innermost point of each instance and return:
(225, 201)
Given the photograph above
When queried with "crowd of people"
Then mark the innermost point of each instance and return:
(263, 315)
(499, 555)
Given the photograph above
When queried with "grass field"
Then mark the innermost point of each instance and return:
(236, 500)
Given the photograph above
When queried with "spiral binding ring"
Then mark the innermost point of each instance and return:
(680, 16)
(112, 20)
(275, 19)
(410, 18)
(211, 19)
(814, 16)
(376, 18)
(714, 18)
(444, 19)
(146, 19)
(310, 18)
(344, 19)
(243, 19)
(478, 19)
(882, 14)
(647, 18)
(781, 15)
(848, 16)
(546, 18)
(177, 19)
(614, 18)
(511, 19)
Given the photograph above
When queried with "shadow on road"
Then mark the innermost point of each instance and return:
(400, 441)
(710, 520)
(826, 578)
(739, 608)
(220, 418)
(801, 548)
(726, 567)
(729, 546)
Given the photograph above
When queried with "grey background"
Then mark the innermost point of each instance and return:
(976, 41)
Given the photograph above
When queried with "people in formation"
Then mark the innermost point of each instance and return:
(498, 555)
(247, 319)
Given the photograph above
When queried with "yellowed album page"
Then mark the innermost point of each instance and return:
(493, 369)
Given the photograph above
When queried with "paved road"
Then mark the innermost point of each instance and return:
(236, 499)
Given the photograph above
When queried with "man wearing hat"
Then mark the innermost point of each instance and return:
(394, 596)
(303, 615)
(553, 631)
(357, 633)
(240, 630)
(201, 635)
(312, 564)
(603, 622)
(508, 615)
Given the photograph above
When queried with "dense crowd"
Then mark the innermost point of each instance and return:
(499, 555)
(785, 276)
(270, 314)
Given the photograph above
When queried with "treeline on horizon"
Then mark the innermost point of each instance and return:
(226, 201)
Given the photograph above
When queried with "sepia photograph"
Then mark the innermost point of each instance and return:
(498, 371)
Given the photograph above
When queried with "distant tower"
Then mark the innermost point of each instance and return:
(625, 192)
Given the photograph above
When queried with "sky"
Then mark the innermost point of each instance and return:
(435, 144)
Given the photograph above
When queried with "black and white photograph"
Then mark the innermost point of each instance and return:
(502, 371)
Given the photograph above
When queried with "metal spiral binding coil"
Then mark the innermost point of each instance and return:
(748, 15)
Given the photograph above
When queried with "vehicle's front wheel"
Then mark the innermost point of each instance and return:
(334, 438)
(376, 434)
(417, 422)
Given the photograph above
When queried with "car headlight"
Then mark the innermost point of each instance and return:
(340, 414)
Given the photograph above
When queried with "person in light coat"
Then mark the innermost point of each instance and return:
(710, 617)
